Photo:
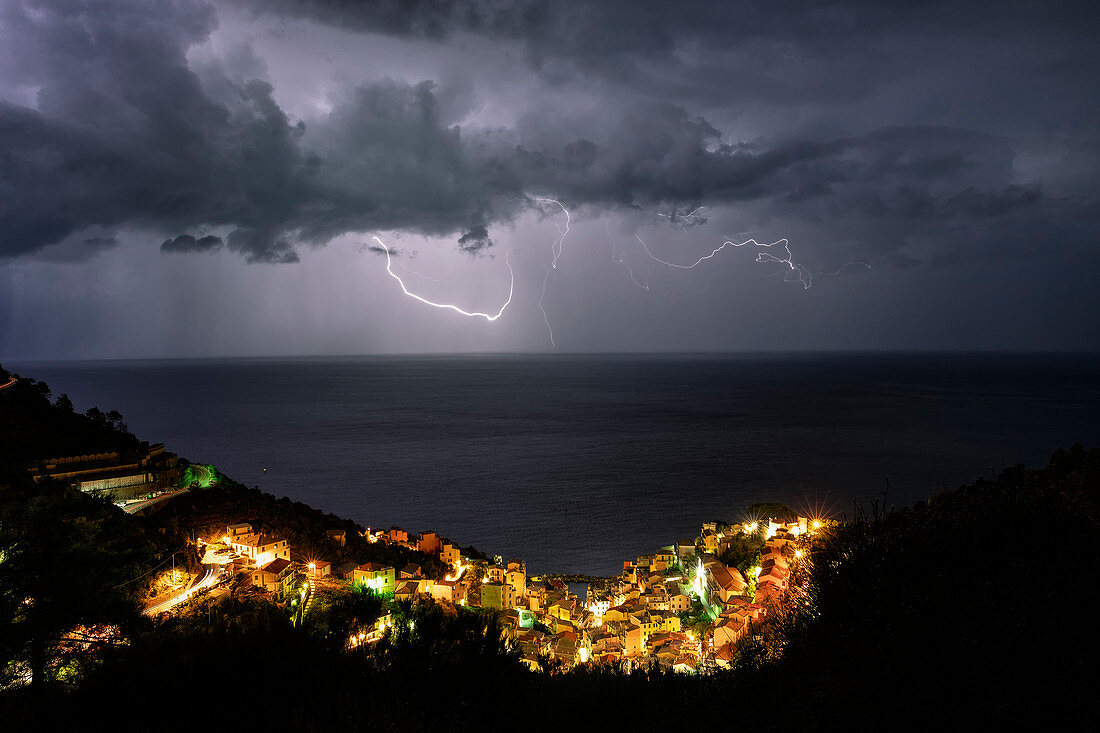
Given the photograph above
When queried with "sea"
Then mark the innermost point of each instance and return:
(576, 463)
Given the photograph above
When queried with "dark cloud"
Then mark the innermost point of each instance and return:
(475, 241)
(138, 136)
(774, 52)
(132, 134)
(186, 244)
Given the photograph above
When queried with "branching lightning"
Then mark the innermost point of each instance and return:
(555, 251)
(804, 276)
(563, 231)
(447, 306)
(766, 252)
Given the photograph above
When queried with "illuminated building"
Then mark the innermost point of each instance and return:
(428, 543)
(450, 554)
(684, 549)
(121, 476)
(517, 578)
(726, 582)
(406, 590)
(260, 549)
(379, 578)
(236, 530)
(498, 595)
(446, 590)
(274, 577)
(320, 568)
(663, 558)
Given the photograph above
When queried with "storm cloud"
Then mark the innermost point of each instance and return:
(186, 244)
(105, 98)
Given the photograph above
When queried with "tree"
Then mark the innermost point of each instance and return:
(66, 564)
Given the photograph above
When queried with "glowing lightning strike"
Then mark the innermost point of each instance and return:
(804, 276)
(447, 306)
(545, 318)
(621, 259)
(555, 250)
(564, 232)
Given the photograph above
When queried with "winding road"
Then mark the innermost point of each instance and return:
(212, 576)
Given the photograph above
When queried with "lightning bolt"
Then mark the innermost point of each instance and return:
(562, 231)
(545, 318)
(621, 260)
(447, 306)
(804, 276)
(555, 251)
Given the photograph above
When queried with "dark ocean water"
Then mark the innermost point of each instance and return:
(576, 463)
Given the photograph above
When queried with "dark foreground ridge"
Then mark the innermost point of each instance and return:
(972, 609)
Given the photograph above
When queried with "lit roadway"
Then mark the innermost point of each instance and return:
(139, 505)
(212, 576)
(10, 383)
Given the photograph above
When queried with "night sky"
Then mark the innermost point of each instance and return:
(205, 178)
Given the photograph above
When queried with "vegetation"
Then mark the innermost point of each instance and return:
(34, 427)
(970, 605)
(772, 509)
(695, 619)
(67, 560)
(743, 552)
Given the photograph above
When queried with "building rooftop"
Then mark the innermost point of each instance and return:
(276, 566)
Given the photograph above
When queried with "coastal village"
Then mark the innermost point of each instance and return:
(680, 607)
(683, 607)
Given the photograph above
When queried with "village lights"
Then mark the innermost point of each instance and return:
(699, 581)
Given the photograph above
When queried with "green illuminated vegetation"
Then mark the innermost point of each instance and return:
(202, 476)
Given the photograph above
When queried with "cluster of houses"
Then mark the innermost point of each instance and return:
(264, 558)
(637, 616)
(634, 618)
